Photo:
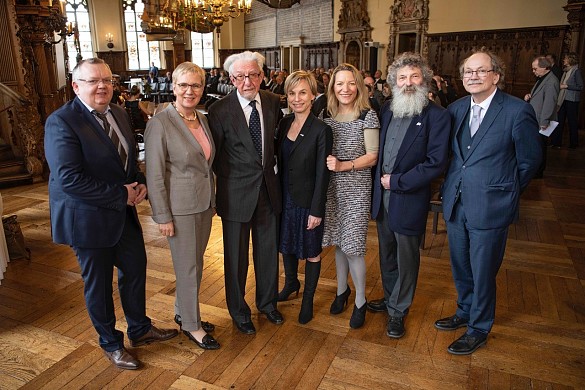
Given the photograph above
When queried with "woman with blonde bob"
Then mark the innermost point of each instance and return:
(304, 142)
(355, 150)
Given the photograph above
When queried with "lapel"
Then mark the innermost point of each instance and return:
(460, 115)
(240, 126)
(491, 114)
(179, 124)
(303, 133)
(207, 131)
(269, 122)
(536, 89)
(414, 129)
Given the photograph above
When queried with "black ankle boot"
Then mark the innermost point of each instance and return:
(291, 280)
(340, 302)
(312, 271)
(358, 317)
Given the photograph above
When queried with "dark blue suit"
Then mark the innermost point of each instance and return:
(481, 195)
(89, 212)
(422, 157)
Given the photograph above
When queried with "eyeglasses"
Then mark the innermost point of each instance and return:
(251, 76)
(94, 82)
(480, 73)
(184, 86)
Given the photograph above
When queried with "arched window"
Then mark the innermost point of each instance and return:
(79, 46)
(140, 52)
(202, 49)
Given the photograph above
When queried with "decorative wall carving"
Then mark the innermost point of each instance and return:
(409, 23)
(354, 28)
(323, 55)
(516, 47)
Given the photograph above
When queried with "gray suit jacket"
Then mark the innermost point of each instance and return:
(239, 171)
(180, 180)
(544, 99)
(574, 86)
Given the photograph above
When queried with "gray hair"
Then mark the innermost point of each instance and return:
(543, 62)
(92, 61)
(246, 56)
(413, 60)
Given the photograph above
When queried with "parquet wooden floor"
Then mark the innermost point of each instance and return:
(538, 340)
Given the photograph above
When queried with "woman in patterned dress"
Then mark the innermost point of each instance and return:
(355, 150)
(304, 142)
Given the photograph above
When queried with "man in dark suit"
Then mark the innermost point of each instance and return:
(496, 151)
(94, 186)
(543, 98)
(248, 191)
(414, 143)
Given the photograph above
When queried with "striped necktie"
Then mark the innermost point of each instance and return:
(113, 136)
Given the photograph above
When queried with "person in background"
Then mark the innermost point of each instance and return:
(495, 152)
(304, 142)
(543, 98)
(249, 200)
(571, 85)
(355, 150)
(94, 187)
(179, 153)
(555, 68)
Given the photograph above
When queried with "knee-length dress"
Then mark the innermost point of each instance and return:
(347, 210)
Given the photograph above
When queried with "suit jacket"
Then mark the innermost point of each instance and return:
(574, 86)
(180, 179)
(87, 196)
(308, 176)
(422, 157)
(505, 154)
(544, 99)
(237, 166)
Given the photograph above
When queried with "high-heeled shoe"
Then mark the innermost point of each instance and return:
(358, 316)
(289, 289)
(207, 342)
(340, 302)
(208, 327)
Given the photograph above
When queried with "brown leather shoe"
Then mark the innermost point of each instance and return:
(122, 359)
(154, 334)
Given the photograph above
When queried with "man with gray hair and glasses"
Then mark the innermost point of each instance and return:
(94, 187)
(248, 196)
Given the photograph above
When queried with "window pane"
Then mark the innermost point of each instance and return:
(140, 52)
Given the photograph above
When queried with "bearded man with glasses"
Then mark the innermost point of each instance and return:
(94, 187)
(248, 199)
(495, 152)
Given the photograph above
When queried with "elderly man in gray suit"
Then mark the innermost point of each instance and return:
(243, 126)
(543, 98)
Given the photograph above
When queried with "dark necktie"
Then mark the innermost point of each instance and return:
(113, 136)
(475, 119)
(255, 129)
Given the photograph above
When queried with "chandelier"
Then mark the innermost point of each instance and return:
(279, 3)
(196, 15)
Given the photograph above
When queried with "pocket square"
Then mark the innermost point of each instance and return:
(418, 123)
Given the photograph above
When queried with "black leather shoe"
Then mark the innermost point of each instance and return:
(207, 342)
(467, 344)
(245, 327)
(208, 327)
(451, 323)
(154, 334)
(358, 316)
(275, 317)
(122, 359)
(340, 302)
(395, 328)
(377, 305)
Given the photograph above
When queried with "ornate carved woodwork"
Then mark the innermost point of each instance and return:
(516, 47)
(355, 30)
(323, 55)
(409, 23)
(115, 59)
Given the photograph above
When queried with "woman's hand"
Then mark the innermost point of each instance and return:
(313, 222)
(167, 229)
(333, 164)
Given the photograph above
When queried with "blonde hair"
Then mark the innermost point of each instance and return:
(296, 77)
(188, 67)
(361, 102)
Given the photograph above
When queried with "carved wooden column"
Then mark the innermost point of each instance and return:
(354, 27)
(409, 23)
(576, 18)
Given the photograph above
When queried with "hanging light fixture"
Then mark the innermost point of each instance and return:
(279, 3)
(195, 15)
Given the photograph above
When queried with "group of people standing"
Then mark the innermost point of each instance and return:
(295, 184)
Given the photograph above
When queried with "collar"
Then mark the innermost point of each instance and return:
(486, 103)
(91, 110)
(245, 102)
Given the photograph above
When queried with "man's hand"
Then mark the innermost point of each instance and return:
(385, 181)
(141, 193)
(132, 193)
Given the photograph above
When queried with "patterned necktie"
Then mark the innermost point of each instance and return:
(113, 136)
(255, 129)
(475, 119)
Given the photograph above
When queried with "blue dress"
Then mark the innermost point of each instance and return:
(295, 239)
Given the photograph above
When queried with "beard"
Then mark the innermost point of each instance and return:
(409, 101)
